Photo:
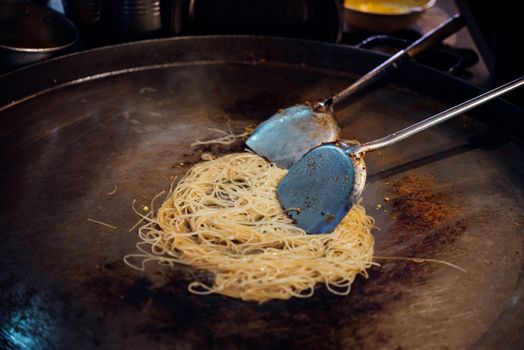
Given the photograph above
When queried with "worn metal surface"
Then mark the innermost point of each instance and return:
(288, 134)
(454, 193)
(317, 191)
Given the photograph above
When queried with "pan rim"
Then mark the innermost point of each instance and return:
(62, 71)
(48, 64)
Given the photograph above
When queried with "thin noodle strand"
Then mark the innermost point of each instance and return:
(224, 217)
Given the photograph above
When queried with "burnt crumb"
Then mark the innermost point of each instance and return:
(418, 207)
(424, 218)
(444, 236)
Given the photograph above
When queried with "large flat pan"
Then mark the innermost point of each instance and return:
(74, 128)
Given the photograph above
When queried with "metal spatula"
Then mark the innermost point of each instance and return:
(322, 186)
(289, 134)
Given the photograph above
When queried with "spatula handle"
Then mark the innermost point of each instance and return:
(450, 26)
(437, 118)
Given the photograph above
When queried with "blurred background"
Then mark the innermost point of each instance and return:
(487, 52)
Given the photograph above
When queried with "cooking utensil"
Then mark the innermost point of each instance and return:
(290, 133)
(320, 189)
(31, 32)
(126, 115)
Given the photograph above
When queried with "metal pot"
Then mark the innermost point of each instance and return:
(115, 21)
(30, 32)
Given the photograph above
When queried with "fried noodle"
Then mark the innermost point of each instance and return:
(224, 217)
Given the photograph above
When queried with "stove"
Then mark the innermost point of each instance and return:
(457, 55)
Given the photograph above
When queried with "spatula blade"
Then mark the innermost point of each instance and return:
(292, 132)
(317, 191)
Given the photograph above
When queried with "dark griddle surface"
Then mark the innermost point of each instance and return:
(63, 281)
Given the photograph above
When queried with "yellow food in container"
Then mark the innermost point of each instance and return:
(384, 16)
(385, 6)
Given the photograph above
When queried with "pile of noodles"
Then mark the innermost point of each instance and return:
(224, 217)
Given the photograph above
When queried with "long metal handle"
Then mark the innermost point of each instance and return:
(436, 119)
(450, 26)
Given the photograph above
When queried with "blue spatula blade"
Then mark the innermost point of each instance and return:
(317, 189)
